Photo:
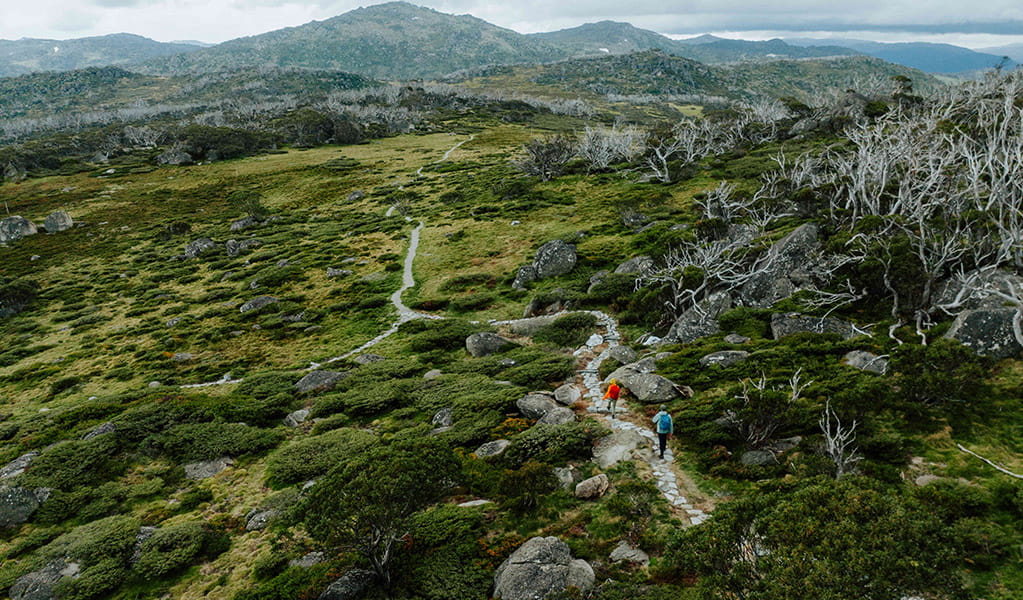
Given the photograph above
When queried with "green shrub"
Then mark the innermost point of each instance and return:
(206, 441)
(750, 322)
(543, 371)
(569, 331)
(76, 463)
(524, 488)
(311, 457)
(369, 399)
(445, 561)
(111, 538)
(449, 334)
(170, 549)
(554, 444)
(97, 581)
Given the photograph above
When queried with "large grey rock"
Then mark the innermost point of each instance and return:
(735, 338)
(783, 324)
(984, 283)
(620, 446)
(319, 381)
(724, 358)
(58, 221)
(333, 272)
(594, 487)
(103, 429)
(18, 465)
(349, 586)
(541, 567)
(557, 416)
(554, 258)
(534, 405)
(866, 361)
(17, 504)
(988, 331)
(622, 354)
(236, 248)
(14, 228)
(207, 469)
(638, 265)
(529, 327)
(648, 388)
(486, 343)
(492, 448)
(624, 552)
(257, 303)
(296, 418)
(567, 394)
(699, 322)
(42, 584)
(524, 276)
(786, 268)
(197, 248)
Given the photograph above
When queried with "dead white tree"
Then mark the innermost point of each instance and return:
(839, 441)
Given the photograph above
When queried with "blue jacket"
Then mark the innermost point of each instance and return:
(657, 421)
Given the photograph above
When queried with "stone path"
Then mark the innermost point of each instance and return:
(664, 474)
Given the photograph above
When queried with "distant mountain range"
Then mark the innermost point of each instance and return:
(1013, 51)
(402, 41)
(29, 55)
(928, 57)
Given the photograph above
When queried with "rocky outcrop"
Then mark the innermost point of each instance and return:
(785, 268)
(14, 228)
(567, 394)
(245, 223)
(622, 354)
(492, 448)
(486, 343)
(988, 331)
(622, 445)
(758, 458)
(535, 405)
(552, 259)
(257, 519)
(207, 469)
(529, 327)
(316, 382)
(258, 303)
(592, 488)
(349, 586)
(17, 504)
(639, 265)
(442, 418)
(724, 358)
(197, 248)
(699, 322)
(174, 156)
(866, 361)
(236, 248)
(58, 221)
(783, 324)
(297, 417)
(104, 429)
(541, 567)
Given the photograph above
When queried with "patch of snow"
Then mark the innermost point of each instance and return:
(605, 50)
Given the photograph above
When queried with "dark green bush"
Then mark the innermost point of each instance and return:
(171, 548)
(569, 331)
(449, 334)
(542, 372)
(206, 441)
(525, 488)
(445, 561)
(311, 457)
(554, 444)
(76, 463)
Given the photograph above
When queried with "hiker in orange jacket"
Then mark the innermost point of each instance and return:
(613, 392)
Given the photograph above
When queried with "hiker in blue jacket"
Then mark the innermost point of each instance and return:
(665, 427)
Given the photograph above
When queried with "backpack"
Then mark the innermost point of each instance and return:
(664, 423)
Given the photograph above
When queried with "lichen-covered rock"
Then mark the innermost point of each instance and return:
(492, 448)
(735, 338)
(207, 469)
(103, 429)
(696, 323)
(296, 418)
(622, 354)
(486, 343)
(724, 358)
(567, 395)
(594, 487)
(558, 415)
(17, 504)
(647, 387)
(535, 405)
(442, 418)
(257, 519)
(349, 586)
(624, 552)
(319, 381)
(638, 265)
(988, 331)
(758, 458)
(786, 269)
(258, 303)
(529, 327)
(197, 248)
(523, 277)
(554, 258)
(245, 223)
(540, 568)
(58, 221)
(783, 324)
(14, 228)
(18, 465)
(42, 584)
(866, 361)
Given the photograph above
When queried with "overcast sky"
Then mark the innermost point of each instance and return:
(992, 22)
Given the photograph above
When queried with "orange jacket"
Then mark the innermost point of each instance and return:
(613, 391)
